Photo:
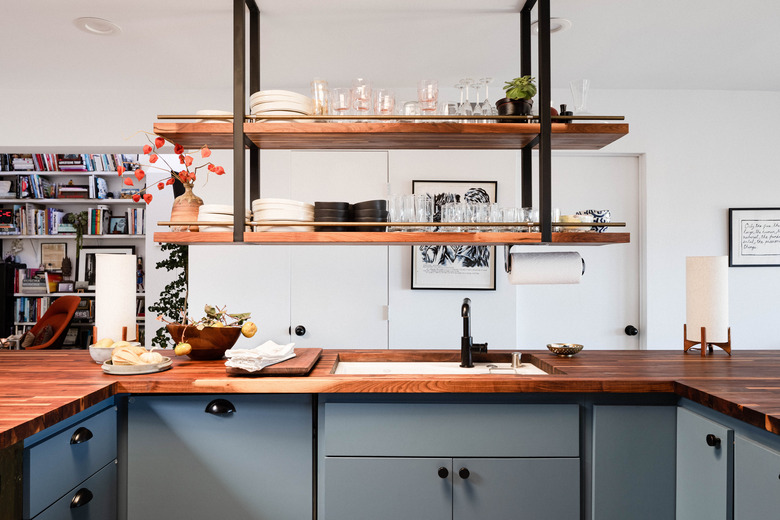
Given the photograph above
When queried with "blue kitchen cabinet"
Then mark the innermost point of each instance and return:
(756, 480)
(73, 458)
(633, 467)
(704, 468)
(449, 460)
(219, 457)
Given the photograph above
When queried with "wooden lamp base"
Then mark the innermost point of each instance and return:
(705, 345)
(124, 333)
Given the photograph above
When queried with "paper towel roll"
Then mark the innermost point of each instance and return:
(115, 296)
(545, 268)
(707, 297)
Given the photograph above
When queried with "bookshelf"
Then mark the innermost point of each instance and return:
(39, 194)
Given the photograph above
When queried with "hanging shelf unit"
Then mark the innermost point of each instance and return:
(543, 133)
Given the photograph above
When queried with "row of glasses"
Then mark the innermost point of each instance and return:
(410, 209)
(479, 108)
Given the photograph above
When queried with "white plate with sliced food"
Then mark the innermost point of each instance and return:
(129, 370)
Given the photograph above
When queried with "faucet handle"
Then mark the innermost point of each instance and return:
(479, 347)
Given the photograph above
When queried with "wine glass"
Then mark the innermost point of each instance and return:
(361, 96)
(487, 107)
(465, 106)
(477, 110)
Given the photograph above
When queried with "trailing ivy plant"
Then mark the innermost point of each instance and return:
(79, 221)
(173, 299)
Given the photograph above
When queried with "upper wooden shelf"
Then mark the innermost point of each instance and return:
(384, 136)
(391, 238)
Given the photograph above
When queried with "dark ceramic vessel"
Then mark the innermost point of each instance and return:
(513, 107)
(209, 343)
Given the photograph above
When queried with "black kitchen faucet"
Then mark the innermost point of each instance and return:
(467, 346)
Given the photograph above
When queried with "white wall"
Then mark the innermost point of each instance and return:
(706, 151)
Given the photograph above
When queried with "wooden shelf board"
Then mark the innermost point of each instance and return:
(382, 136)
(394, 238)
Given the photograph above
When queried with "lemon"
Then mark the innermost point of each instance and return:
(248, 329)
(182, 349)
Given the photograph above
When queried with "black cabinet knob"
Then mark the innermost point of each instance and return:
(300, 330)
(713, 440)
(443, 472)
(631, 330)
(81, 435)
(81, 498)
(464, 473)
(220, 407)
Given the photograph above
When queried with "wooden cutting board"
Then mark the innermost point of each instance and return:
(300, 365)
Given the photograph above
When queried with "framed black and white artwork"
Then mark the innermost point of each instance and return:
(754, 237)
(86, 261)
(453, 266)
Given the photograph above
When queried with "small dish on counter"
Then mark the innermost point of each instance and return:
(564, 349)
(130, 370)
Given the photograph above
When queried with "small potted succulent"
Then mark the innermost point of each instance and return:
(518, 100)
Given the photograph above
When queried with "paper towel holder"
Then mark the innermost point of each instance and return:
(705, 345)
(508, 259)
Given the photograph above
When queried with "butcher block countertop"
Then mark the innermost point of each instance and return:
(40, 388)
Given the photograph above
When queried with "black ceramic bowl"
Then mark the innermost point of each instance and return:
(379, 204)
(343, 206)
(334, 213)
(369, 213)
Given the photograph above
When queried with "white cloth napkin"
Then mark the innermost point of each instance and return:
(260, 357)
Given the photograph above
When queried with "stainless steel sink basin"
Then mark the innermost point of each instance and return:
(429, 363)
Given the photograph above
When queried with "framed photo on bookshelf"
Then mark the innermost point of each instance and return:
(86, 262)
(52, 255)
(65, 287)
(448, 266)
(117, 226)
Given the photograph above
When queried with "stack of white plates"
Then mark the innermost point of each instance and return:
(217, 213)
(213, 113)
(269, 211)
(280, 103)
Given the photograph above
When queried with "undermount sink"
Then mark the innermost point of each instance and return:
(430, 363)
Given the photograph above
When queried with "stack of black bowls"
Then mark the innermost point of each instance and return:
(370, 211)
(332, 212)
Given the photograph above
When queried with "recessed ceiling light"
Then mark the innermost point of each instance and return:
(556, 25)
(97, 26)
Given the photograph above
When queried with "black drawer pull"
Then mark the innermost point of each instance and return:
(713, 440)
(443, 472)
(81, 435)
(81, 498)
(464, 473)
(220, 407)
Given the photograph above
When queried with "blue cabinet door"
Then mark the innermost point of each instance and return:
(362, 488)
(516, 488)
(633, 473)
(254, 463)
(704, 468)
(756, 481)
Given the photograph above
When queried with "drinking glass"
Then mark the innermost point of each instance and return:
(395, 210)
(384, 104)
(428, 96)
(449, 109)
(319, 92)
(579, 93)
(341, 102)
(509, 215)
(412, 108)
(361, 96)
(487, 107)
(464, 108)
(423, 210)
(494, 215)
(477, 110)
(531, 215)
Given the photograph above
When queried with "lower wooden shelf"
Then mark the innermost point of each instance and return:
(390, 238)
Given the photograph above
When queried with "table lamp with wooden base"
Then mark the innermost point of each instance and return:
(706, 304)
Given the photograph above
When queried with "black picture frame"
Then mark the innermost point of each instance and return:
(117, 226)
(754, 237)
(85, 268)
(433, 271)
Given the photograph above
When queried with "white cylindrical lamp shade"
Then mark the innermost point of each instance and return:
(115, 303)
(707, 298)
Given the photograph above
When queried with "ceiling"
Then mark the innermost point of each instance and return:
(187, 44)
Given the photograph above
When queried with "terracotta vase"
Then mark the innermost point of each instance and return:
(185, 208)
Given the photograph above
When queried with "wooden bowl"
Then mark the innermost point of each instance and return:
(209, 343)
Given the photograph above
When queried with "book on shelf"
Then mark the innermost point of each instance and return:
(135, 221)
(72, 191)
(65, 162)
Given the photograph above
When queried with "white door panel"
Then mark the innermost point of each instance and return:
(596, 311)
(339, 293)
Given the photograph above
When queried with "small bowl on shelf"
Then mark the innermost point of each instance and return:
(564, 349)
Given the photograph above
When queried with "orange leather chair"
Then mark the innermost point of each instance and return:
(58, 316)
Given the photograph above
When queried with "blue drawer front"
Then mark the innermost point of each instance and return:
(101, 506)
(451, 430)
(54, 466)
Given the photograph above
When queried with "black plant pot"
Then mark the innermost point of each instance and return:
(514, 107)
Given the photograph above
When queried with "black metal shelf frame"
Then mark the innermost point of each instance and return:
(240, 141)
